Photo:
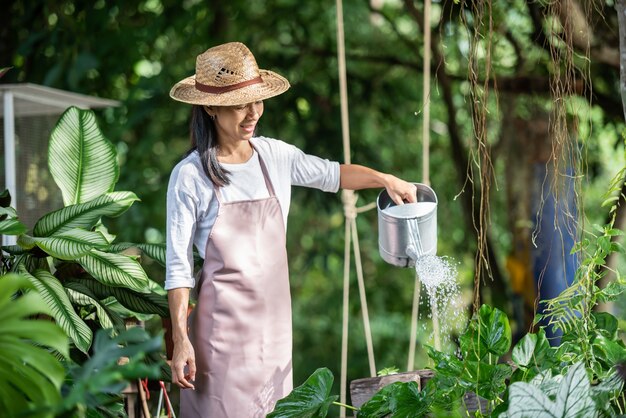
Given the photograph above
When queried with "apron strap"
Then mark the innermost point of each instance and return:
(266, 178)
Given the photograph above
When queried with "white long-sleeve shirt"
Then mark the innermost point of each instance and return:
(192, 206)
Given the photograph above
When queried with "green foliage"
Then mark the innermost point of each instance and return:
(84, 215)
(310, 400)
(570, 396)
(31, 374)
(81, 162)
(61, 309)
(97, 383)
(70, 257)
(539, 387)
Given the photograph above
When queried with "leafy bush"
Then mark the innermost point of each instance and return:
(85, 279)
(30, 375)
(70, 269)
(579, 378)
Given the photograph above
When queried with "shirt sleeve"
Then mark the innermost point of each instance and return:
(181, 226)
(312, 171)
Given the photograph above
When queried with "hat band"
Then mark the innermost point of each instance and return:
(223, 89)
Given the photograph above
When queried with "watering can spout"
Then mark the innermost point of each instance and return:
(411, 251)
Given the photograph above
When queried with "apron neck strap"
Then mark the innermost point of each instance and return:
(266, 177)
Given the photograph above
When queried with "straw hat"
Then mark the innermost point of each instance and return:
(228, 75)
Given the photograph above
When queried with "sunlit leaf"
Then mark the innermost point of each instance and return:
(84, 215)
(116, 270)
(71, 244)
(572, 398)
(81, 160)
(60, 307)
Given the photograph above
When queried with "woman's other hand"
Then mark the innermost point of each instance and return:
(183, 358)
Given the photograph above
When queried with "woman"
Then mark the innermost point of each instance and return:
(230, 198)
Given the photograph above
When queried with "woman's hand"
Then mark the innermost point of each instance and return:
(357, 177)
(400, 191)
(182, 357)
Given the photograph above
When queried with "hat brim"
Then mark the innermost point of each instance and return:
(273, 84)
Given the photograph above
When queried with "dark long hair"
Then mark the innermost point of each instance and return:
(204, 140)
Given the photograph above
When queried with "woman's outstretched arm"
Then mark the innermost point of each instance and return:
(357, 177)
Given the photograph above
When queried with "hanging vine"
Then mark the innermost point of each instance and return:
(478, 20)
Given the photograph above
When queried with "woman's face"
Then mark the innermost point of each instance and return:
(236, 123)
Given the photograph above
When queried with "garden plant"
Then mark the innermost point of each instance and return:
(581, 377)
(70, 269)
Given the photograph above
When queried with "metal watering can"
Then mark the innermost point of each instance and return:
(407, 232)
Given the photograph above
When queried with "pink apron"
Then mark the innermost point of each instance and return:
(241, 326)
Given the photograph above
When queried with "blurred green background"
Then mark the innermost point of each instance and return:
(134, 51)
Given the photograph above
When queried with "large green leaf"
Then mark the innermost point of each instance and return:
(81, 160)
(311, 399)
(71, 244)
(573, 398)
(60, 307)
(154, 251)
(108, 320)
(533, 349)
(11, 226)
(84, 215)
(486, 380)
(149, 303)
(30, 375)
(488, 332)
(116, 270)
(9, 223)
(409, 402)
(380, 404)
(101, 376)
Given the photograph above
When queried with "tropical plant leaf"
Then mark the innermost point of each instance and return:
(612, 291)
(81, 160)
(573, 398)
(30, 375)
(84, 215)
(608, 351)
(71, 244)
(606, 324)
(93, 383)
(311, 399)
(409, 402)
(103, 314)
(154, 251)
(532, 349)
(488, 332)
(14, 249)
(116, 270)
(380, 404)
(60, 307)
(149, 303)
(486, 380)
(608, 388)
(11, 226)
(445, 364)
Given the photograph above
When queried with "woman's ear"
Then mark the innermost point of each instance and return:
(210, 111)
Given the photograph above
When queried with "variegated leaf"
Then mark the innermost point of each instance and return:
(116, 270)
(84, 215)
(72, 244)
(82, 161)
